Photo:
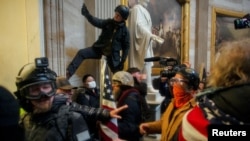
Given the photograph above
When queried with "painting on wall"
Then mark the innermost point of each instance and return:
(223, 28)
(166, 20)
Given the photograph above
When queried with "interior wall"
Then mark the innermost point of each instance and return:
(79, 34)
(200, 27)
(20, 37)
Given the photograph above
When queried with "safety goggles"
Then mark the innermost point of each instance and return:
(36, 91)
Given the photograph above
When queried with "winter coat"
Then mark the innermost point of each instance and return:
(113, 34)
(170, 121)
(86, 96)
(62, 122)
(220, 106)
(128, 128)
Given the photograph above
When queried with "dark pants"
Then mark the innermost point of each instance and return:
(86, 53)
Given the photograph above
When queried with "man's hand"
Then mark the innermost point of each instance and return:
(143, 128)
(114, 113)
(85, 11)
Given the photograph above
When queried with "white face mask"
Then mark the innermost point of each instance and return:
(92, 84)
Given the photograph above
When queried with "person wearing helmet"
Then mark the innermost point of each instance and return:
(140, 28)
(183, 86)
(125, 94)
(48, 116)
(114, 38)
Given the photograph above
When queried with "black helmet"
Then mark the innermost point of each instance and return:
(191, 75)
(33, 74)
(123, 10)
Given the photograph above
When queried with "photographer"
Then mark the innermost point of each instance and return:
(164, 89)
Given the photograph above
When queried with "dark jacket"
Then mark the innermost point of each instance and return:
(54, 125)
(128, 128)
(86, 96)
(62, 122)
(233, 101)
(216, 106)
(115, 35)
(145, 108)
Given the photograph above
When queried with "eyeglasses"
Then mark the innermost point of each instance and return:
(177, 81)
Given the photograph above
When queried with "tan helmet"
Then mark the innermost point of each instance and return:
(124, 77)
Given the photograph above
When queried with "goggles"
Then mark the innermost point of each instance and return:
(33, 92)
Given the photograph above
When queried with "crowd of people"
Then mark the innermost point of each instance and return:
(57, 111)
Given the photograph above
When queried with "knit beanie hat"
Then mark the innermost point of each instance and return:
(9, 108)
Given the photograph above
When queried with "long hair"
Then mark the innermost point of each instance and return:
(232, 65)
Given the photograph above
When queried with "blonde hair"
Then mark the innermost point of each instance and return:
(232, 65)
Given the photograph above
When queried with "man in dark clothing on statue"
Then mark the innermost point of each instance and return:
(114, 38)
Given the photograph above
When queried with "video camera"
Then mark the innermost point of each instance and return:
(169, 65)
(41, 62)
(41, 65)
(243, 22)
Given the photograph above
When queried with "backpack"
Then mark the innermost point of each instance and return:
(77, 129)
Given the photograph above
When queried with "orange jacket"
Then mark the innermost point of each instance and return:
(170, 121)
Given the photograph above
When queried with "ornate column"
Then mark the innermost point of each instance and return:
(54, 35)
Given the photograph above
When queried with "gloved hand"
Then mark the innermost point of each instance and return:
(84, 11)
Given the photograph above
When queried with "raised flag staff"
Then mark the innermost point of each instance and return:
(108, 130)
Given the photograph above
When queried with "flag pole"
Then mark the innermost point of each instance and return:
(102, 75)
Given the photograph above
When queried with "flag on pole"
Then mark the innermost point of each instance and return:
(108, 130)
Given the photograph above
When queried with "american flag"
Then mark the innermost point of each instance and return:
(109, 130)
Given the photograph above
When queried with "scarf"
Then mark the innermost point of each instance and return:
(181, 97)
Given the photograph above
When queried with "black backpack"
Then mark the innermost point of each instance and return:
(77, 129)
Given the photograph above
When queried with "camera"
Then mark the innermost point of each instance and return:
(41, 62)
(169, 65)
(243, 22)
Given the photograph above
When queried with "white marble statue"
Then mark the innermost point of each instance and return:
(140, 28)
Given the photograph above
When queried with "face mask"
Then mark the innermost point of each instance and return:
(92, 84)
(181, 97)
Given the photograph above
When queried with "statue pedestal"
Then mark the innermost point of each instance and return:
(154, 100)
